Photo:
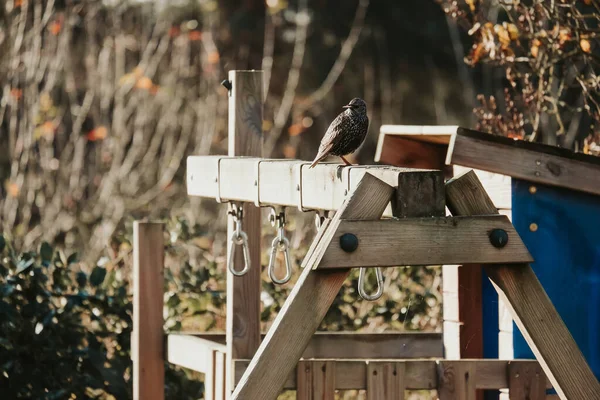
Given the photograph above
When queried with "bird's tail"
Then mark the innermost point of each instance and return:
(317, 160)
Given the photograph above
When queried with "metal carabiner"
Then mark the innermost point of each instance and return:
(238, 238)
(280, 243)
(361, 285)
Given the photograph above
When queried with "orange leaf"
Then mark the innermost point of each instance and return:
(295, 129)
(289, 151)
(12, 188)
(47, 129)
(55, 28)
(174, 31)
(535, 47)
(144, 83)
(16, 93)
(195, 35)
(97, 134)
(213, 57)
(585, 45)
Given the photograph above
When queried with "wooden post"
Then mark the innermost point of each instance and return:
(457, 380)
(148, 337)
(243, 293)
(531, 309)
(311, 297)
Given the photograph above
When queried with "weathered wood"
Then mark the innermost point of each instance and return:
(424, 241)
(532, 310)
(411, 152)
(147, 351)
(521, 159)
(306, 305)
(289, 183)
(385, 380)
(418, 375)
(422, 195)
(243, 293)
(457, 380)
(526, 382)
(316, 380)
(351, 345)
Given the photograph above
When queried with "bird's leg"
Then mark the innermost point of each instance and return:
(345, 161)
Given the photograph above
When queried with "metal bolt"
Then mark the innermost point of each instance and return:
(349, 242)
(537, 173)
(498, 238)
(532, 189)
(227, 84)
(538, 162)
(533, 227)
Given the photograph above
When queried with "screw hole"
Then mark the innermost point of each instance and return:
(374, 372)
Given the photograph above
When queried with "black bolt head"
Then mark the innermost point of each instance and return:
(498, 238)
(227, 84)
(349, 242)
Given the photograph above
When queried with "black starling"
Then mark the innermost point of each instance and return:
(346, 133)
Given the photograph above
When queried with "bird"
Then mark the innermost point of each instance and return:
(346, 133)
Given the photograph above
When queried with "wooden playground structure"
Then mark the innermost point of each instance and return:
(378, 217)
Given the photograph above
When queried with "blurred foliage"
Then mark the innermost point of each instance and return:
(548, 53)
(66, 334)
(64, 331)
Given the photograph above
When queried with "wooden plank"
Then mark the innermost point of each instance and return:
(306, 305)
(418, 375)
(411, 153)
(285, 182)
(532, 310)
(385, 380)
(220, 381)
(316, 380)
(352, 345)
(148, 344)
(243, 293)
(457, 380)
(340, 345)
(520, 159)
(526, 382)
(192, 352)
(424, 241)
(497, 186)
(422, 195)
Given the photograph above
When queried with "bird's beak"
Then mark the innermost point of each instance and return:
(347, 106)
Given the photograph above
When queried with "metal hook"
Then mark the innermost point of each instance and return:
(238, 238)
(361, 285)
(280, 243)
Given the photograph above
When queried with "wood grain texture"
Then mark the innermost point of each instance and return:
(424, 241)
(148, 337)
(532, 310)
(411, 152)
(457, 380)
(316, 380)
(385, 380)
(526, 382)
(533, 162)
(306, 305)
(418, 375)
(347, 345)
(243, 293)
(422, 195)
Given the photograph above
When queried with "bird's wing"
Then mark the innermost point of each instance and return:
(328, 139)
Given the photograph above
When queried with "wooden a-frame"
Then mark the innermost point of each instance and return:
(315, 291)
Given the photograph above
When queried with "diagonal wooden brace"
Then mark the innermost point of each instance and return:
(307, 304)
(532, 310)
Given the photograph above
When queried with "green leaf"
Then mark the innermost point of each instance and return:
(24, 265)
(81, 279)
(97, 276)
(46, 253)
(73, 258)
(2, 243)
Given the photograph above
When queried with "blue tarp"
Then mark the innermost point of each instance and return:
(566, 249)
